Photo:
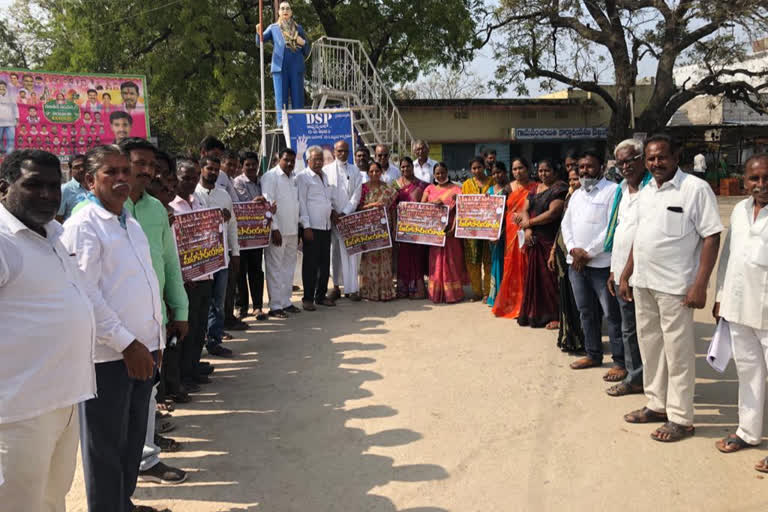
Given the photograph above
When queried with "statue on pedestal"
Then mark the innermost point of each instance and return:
(290, 48)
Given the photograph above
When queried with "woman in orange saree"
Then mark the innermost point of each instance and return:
(510, 296)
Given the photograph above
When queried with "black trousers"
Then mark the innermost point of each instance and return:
(251, 277)
(112, 430)
(316, 265)
(199, 294)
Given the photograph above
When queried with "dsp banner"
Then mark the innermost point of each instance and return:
(68, 113)
(421, 223)
(200, 242)
(253, 225)
(479, 216)
(366, 230)
(306, 128)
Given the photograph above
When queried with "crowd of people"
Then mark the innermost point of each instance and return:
(104, 338)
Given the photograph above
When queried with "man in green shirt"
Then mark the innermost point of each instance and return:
(153, 219)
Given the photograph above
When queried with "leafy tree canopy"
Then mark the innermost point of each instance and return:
(588, 43)
(200, 57)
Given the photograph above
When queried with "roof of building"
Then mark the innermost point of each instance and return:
(493, 103)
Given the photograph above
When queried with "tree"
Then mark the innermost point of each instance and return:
(445, 84)
(579, 42)
(200, 58)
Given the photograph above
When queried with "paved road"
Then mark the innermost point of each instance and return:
(414, 407)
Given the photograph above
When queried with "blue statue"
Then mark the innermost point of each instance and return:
(290, 47)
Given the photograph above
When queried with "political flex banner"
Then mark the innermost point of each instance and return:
(366, 230)
(253, 225)
(306, 128)
(200, 242)
(421, 223)
(479, 216)
(68, 113)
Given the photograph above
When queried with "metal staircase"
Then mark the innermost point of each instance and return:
(343, 75)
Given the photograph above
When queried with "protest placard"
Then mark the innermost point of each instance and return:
(479, 216)
(421, 223)
(200, 242)
(69, 113)
(253, 225)
(366, 230)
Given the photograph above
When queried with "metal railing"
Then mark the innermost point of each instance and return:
(342, 72)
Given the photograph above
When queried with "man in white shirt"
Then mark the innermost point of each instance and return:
(112, 250)
(279, 188)
(584, 227)
(199, 291)
(346, 181)
(672, 257)
(742, 300)
(621, 233)
(47, 342)
(391, 173)
(362, 161)
(316, 216)
(423, 166)
(211, 196)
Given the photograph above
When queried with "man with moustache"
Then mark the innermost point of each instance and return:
(199, 291)
(211, 196)
(316, 216)
(423, 166)
(346, 181)
(362, 160)
(279, 188)
(121, 124)
(112, 250)
(74, 191)
(672, 257)
(618, 241)
(391, 173)
(49, 331)
(584, 228)
(742, 300)
(153, 219)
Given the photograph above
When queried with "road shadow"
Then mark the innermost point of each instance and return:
(271, 432)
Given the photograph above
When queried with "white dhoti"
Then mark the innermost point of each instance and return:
(750, 352)
(344, 268)
(280, 263)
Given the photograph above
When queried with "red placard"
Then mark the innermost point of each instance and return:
(366, 230)
(479, 216)
(421, 223)
(200, 242)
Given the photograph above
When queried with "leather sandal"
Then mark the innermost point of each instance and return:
(676, 432)
(732, 443)
(645, 415)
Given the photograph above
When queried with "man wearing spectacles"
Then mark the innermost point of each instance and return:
(391, 173)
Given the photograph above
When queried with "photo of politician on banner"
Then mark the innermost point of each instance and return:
(324, 128)
(364, 231)
(421, 223)
(69, 113)
(479, 216)
(200, 242)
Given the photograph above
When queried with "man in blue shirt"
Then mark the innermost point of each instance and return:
(74, 191)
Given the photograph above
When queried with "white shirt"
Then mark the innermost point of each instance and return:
(118, 270)
(586, 220)
(279, 188)
(315, 199)
(225, 182)
(742, 277)
(668, 242)
(47, 321)
(625, 231)
(347, 182)
(425, 172)
(217, 197)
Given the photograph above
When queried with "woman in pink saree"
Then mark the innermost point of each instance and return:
(411, 258)
(447, 273)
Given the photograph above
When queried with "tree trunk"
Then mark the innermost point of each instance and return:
(619, 127)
